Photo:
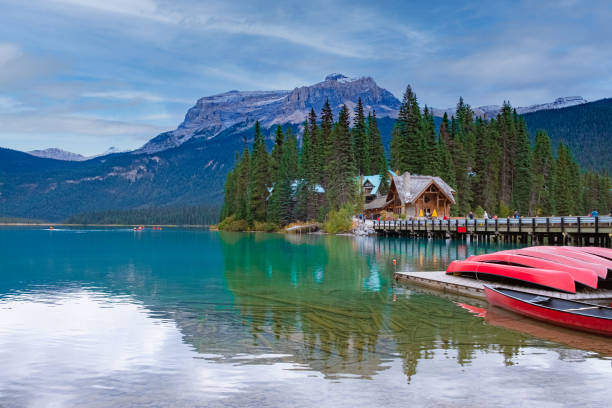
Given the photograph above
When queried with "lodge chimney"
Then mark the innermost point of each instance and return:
(406, 181)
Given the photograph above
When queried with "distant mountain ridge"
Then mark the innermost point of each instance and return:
(212, 115)
(57, 154)
(60, 154)
(187, 166)
(491, 111)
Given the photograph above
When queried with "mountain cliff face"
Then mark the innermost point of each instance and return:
(212, 115)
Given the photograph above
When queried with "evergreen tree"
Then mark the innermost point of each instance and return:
(378, 161)
(542, 169)
(407, 139)
(342, 170)
(431, 156)
(327, 124)
(507, 136)
(318, 147)
(277, 151)
(305, 207)
(360, 141)
(241, 184)
(522, 170)
(259, 178)
(563, 193)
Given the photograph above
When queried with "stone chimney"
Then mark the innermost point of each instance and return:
(406, 181)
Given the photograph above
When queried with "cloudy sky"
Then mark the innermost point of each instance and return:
(84, 75)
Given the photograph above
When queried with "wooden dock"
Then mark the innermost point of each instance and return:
(533, 230)
(475, 288)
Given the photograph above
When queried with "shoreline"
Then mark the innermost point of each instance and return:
(45, 224)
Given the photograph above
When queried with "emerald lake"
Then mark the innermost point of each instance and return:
(195, 318)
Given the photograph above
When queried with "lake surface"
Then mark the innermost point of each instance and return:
(186, 318)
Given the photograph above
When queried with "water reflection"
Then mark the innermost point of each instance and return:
(354, 320)
(191, 318)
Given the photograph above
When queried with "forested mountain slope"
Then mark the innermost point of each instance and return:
(587, 129)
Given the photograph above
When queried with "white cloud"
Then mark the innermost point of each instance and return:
(8, 52)
(147, 9)
(134, 96)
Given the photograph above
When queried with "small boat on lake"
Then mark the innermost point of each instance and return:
(568, 313)
(583, 276)
(551, 279)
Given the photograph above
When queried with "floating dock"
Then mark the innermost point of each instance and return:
(475, 288)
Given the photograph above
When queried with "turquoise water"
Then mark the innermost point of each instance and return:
(186, 318)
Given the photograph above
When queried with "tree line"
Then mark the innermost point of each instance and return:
(195, 215)
(305, 182)
(491, 164)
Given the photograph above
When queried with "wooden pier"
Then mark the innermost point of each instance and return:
(530, 230)
(465, 286)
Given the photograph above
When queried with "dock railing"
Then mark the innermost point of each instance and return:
(563, 228)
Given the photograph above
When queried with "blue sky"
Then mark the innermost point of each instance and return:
(84, 75)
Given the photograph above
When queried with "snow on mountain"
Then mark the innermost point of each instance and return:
(558, 103)
(491, 111)
(57, 154)
(212, 115)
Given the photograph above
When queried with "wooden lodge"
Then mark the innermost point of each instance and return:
(414, 195)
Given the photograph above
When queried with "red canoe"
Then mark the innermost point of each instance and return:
(557, 280)
(574, 252)
(568, 313)
(581, 275)
(602, 252)
(599, 269)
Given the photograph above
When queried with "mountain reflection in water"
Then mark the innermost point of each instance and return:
(198, 318)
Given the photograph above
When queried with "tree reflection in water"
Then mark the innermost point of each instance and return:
(330, 302)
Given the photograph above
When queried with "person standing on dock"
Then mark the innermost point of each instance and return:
(485, 215)
(594, 213)
(516, 214)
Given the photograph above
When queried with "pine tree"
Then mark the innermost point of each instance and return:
(290, 145)
(542, 169)
(277, 151)
(342, 170)
(305, 200)
(259, 179)
(241, 185)
(378, 161)
(521, 183)
(318, 147)
(360, 141)
(327, 124)
(563, 194)
(407, 139)
(507, 137)
(431, 159)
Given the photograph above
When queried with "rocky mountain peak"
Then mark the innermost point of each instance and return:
(214, 114)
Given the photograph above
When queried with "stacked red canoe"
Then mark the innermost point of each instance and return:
(556, 268)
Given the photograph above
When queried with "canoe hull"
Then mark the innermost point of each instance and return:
(599, 269)
(583, 276)
(558, 317)
(557, 280)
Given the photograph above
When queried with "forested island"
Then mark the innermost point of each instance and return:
(491, 165)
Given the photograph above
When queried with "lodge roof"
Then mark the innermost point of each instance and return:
(411, 186)
(374, 180)
(377, 203)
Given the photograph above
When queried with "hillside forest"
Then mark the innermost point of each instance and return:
(490, 163)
